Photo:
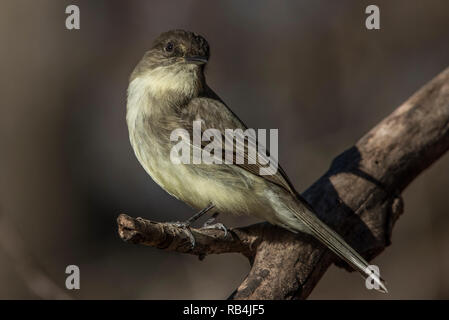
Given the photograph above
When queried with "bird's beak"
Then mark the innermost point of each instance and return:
(198, 60)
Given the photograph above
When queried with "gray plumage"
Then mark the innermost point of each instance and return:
(168, 91)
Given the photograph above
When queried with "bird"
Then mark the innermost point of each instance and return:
(168, 91)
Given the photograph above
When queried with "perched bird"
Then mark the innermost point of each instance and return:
(168, 91)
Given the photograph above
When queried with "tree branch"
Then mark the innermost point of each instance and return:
(359, 196)
(173, 238)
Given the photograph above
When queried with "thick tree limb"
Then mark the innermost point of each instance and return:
(359, 196)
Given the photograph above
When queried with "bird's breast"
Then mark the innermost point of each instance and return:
(229, 188)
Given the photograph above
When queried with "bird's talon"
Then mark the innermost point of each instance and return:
(209, 222)
(192, 238)
(219, 226)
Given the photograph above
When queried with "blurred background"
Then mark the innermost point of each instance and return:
(309, 68)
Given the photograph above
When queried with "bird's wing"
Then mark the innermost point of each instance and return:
(214, 114)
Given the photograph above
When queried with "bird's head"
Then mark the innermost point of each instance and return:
(175, 63)
(180, 47)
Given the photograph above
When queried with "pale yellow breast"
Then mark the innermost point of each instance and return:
(180, 180)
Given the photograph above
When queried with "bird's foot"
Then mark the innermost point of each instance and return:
(186, 226)
(209, 224)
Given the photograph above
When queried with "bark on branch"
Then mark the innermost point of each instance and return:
(172, 238)
(359, 196)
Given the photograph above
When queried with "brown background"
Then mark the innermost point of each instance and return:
(309, 68)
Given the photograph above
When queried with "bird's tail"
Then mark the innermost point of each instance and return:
(336, 243)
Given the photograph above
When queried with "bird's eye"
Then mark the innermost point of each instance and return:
(169, 47)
